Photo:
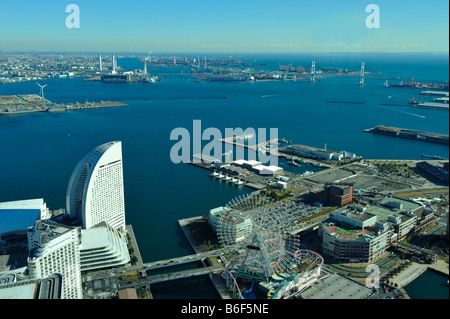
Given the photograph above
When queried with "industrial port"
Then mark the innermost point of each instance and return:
(32, 103)
(439, 100)
(284, 73)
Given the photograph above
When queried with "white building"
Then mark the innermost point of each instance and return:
(95, 192)
(271, 170)
(258, 168)
(102, 247)
(314, 152)
(55, 249)
(352, 216)
(230, 224)
(281, 185)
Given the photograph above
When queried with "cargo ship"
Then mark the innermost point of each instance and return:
(14, 112)
(433, 157)
(418, 85)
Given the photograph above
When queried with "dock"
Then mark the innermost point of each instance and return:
(410, 134)
(261, 147)
(432, 105)
(440, 93)
(31, 103)
(243, 181)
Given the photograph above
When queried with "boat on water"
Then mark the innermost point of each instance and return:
(214, 174)
(9, 112)
(433, 157)
(56, 110)
(284, 141)
(293, 163)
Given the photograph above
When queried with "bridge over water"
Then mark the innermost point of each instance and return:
(153, 279)
(166, 263)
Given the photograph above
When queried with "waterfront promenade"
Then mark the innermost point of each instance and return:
(133, 244)
(409, 274)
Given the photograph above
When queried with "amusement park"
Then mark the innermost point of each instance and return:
(266, 260)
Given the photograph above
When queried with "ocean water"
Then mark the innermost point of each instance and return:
(39, 151)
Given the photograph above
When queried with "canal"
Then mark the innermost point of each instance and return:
(429, 285)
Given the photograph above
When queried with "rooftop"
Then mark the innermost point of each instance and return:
(384, 213)
(19, 215)
(405, 205)
(336, 286)
(19, 292)
(94, 238)
(23, 204)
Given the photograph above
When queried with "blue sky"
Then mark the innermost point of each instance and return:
(225, 26)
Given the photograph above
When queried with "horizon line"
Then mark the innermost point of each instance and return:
(224, 52)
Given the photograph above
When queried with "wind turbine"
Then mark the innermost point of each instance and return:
(42, 91)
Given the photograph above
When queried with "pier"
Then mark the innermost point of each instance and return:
(409, 134)
(32, 103)
(256, 147)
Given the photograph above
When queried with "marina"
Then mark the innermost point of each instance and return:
(227, 178)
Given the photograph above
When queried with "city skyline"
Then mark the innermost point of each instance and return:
(249, 27)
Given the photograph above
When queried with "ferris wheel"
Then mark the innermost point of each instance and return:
(255, 228)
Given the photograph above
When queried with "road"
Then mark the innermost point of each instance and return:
(154, 264)
(172, 276)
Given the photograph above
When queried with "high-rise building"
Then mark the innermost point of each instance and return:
(95, 193)
(55, 249)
